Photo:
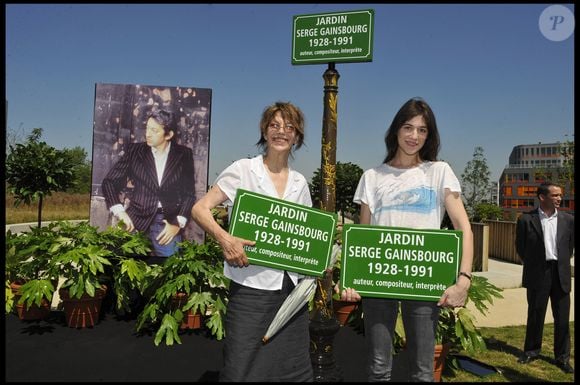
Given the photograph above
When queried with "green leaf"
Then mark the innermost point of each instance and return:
(89, 287)
(169, 329)
(34, 291)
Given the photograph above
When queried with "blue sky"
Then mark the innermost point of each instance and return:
(491, 76)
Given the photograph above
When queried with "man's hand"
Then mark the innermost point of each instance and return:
(123, 216)
(168, 233)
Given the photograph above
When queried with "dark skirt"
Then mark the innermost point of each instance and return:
(284, 358)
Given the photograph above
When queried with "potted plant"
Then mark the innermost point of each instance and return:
(9, 299)
(345, 312)
(456, 330)
(78, 254)
(190, 281)
(28, 275)
(127, 272)
(78, 258)
(83, 260)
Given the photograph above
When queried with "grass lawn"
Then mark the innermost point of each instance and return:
(505, 345)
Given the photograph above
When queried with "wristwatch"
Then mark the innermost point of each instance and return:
(466, 275)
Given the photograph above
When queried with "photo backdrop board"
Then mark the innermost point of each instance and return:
(119, 119)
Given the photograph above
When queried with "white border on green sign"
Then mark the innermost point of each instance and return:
(322, 213)
(382, 294)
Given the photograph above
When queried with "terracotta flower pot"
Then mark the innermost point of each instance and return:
(190, 320)
(439, 358)
(439, 361)
(342, 310)
(34, 312)
(82, 312)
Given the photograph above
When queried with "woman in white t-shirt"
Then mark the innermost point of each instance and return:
(257, 292)
(411, 189)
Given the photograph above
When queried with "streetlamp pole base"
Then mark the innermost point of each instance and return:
(322, 334)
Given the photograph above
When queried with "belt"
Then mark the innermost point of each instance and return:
(552, 262)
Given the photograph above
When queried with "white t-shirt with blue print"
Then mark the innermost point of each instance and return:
(412, 197)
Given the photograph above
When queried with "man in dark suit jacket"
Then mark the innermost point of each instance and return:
(545, 243)
(161, 173)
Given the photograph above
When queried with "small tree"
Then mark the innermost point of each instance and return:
(347, 178)
(566, 171)
(81, 171)
(475, 181)
(35, 170)
(485, 211)
(14, 136)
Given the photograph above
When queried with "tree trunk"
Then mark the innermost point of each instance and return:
(39, 210)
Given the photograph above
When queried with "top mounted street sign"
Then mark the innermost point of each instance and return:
(333, 37)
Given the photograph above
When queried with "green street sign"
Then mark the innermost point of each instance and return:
(400, 263)
(333, 37)
(288, 236)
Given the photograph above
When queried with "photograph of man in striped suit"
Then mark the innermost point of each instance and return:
(160, 174)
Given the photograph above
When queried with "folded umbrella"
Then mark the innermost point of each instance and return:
(299, 296)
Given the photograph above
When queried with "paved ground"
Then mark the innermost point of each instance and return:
(512, 308)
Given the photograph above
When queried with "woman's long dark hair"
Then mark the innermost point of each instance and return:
(414, 107)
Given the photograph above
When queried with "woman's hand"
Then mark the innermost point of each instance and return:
(455, 295)
(348, 294)
(233, 248)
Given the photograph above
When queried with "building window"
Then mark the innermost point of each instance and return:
(526, 191)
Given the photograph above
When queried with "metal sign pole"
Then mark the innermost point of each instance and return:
(323, 323)
(331, 37)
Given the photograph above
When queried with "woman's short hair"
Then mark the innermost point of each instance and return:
(290, 113)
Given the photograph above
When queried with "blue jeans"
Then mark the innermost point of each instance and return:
(420, 322)
(154, 230)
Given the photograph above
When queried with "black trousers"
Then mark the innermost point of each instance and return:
(537, 306)
(285, 358)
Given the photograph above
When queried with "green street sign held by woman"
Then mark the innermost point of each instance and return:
(288, 236)
(400, 263)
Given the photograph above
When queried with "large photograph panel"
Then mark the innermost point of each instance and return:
(120, 117)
